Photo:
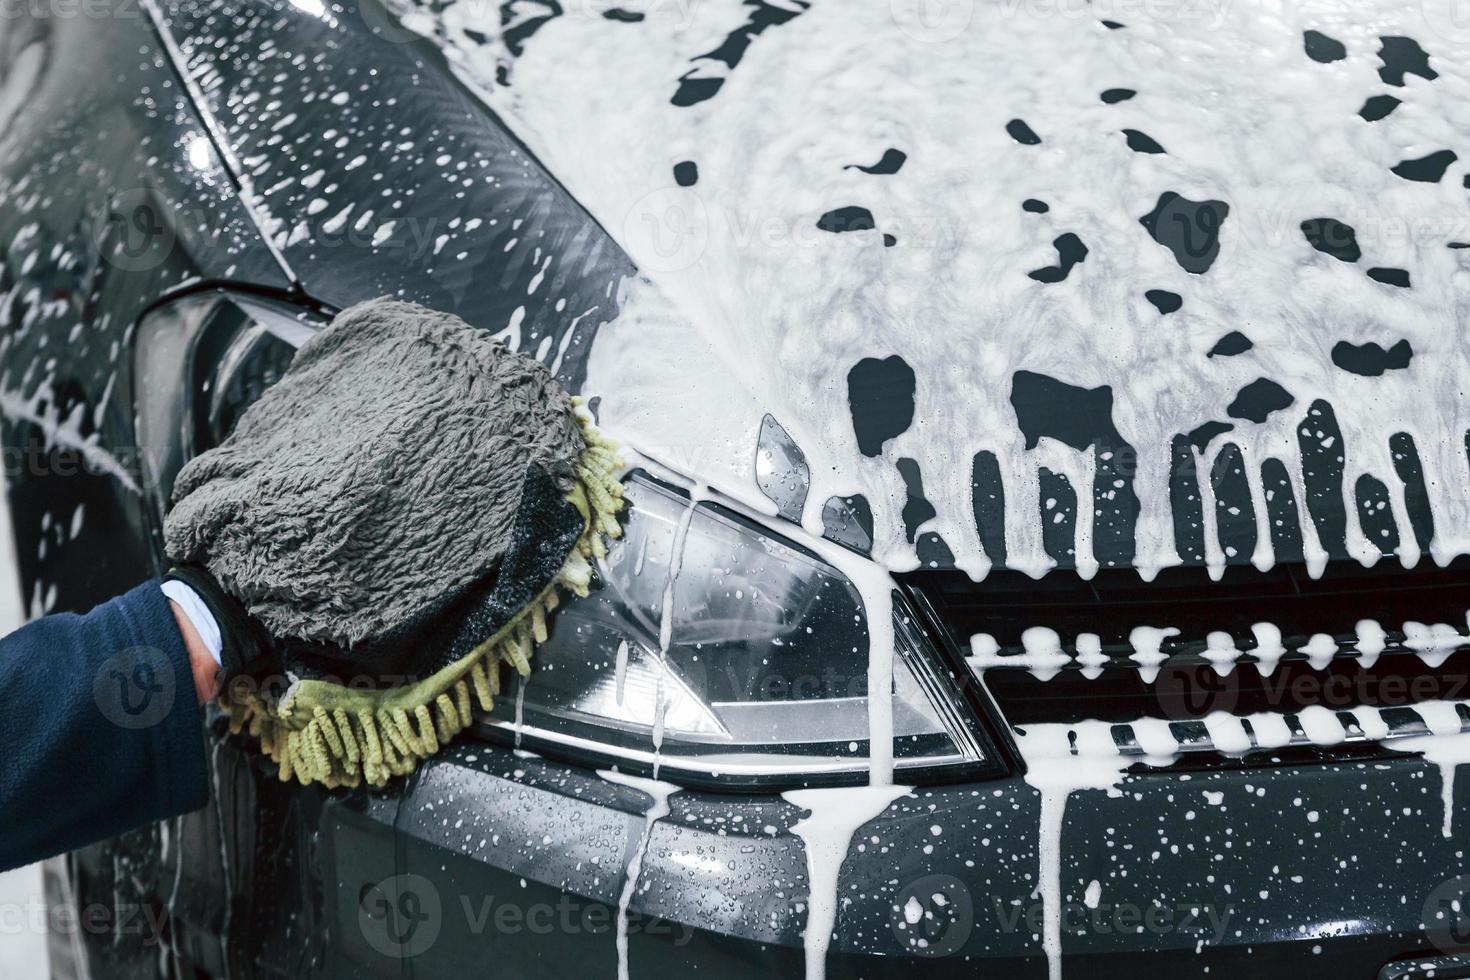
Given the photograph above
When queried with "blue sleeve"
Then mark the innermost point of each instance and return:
(99, 724)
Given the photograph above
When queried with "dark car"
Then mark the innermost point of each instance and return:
(1063, 340)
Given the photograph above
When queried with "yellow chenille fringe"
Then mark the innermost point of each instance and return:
(324, 733)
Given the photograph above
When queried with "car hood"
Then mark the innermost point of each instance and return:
(1001, 284)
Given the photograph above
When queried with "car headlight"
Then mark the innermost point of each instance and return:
(764, 682)
(765, 676)
(198, 362)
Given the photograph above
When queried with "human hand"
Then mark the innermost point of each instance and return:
(201, 662)
(224, 642)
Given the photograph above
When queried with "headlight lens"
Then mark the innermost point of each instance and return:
(199, 362)
(765, 677)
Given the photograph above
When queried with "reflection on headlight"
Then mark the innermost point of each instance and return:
(767, 664)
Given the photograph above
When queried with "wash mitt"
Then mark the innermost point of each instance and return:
(399, 515)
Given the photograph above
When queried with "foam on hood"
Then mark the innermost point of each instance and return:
(1120, 248)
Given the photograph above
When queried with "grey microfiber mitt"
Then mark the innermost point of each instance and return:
(398, 511)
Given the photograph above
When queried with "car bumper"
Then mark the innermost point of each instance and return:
(518, 863)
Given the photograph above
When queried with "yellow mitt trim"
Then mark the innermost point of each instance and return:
(321, 732)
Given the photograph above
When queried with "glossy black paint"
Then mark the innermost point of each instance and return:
(273, 880)
(101, 210)
(448, 209)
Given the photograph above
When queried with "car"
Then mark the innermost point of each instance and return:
(1100, 363)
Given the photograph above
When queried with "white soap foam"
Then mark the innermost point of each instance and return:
(836, 814)
(1043, 651)
(1220, 651)
(1448, 752)
(1371, 641)
(658, 808)
(744, 307)
(1054, 770)
(1434, 643)
(1227, 733)
(1322, 725)
(697, 493)
(1146, 641)
(1268, 651)
(874, 584)
(1320, 649)
(1090, 655)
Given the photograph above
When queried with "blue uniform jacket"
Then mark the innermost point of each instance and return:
(100, 727)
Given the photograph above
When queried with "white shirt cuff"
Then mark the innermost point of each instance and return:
(198, 614)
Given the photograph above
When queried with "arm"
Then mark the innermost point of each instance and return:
(203, 664)
(100, 724)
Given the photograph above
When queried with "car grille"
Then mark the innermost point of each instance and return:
(1254, 661)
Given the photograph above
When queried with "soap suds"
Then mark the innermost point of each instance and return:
(1057, 771)
(1444, 746)
(836, 814)
(765, 303)
(1065, 758)
(658, 808)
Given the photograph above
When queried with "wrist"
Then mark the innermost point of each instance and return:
(202, 663)
(238, 644)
